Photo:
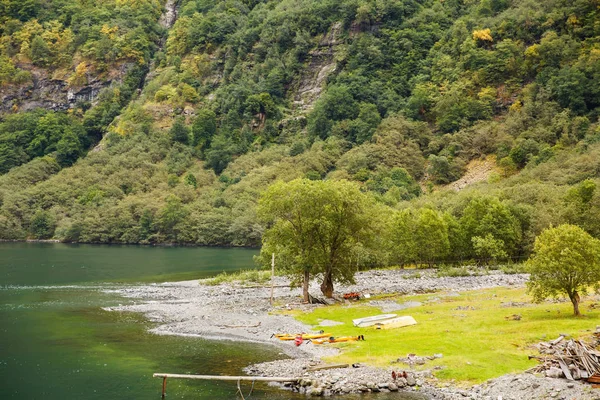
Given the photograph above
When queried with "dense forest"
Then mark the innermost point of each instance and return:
(403, 97)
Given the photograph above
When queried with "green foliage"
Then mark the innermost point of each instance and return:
(566, 260)
(246, 277)
(204, 128)
(38, 133)
(396, 183)
(318, 227)
(496, 226)
(178, 159)
(179, 132)
(488, 248)
(510, 269)
(408, 94)
(191, 180)
(40, 53)
(335, 106)
(170, 216)
(419, 237)
(454, 272)
(68, 149)
(42, 225)
(313, 176)
(105, 34)
(297, 148)
(220, 153)
(445, 170)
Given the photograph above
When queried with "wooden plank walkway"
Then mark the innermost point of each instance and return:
(222, 378)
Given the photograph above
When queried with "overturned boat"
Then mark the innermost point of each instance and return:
(370, 321)
(398, 322)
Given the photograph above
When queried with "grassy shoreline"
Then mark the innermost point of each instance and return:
(473, 330)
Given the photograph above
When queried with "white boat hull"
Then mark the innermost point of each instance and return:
(398, 322)
(370, 321)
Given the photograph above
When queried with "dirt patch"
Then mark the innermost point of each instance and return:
(477, 171)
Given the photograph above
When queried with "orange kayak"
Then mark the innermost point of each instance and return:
(305, 336)
(339, 339)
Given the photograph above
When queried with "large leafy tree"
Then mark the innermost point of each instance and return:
(204, 128)
(487, 216)
(420, 236)
(317, 227)
(566, 260)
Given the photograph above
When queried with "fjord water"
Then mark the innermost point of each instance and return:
(56, 341)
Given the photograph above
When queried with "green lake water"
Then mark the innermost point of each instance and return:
(56, 342)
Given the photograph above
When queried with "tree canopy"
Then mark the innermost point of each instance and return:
(318, 228)
(565, 260)
(408, 99)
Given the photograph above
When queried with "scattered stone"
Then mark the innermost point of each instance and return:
(554, 372)
(317, 391)
(189, 308)
(513, 304)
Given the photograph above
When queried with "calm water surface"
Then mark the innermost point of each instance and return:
(56, 342)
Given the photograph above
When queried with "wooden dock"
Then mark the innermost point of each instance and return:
(237, 379)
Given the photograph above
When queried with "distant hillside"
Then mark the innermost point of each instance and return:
(118, 127)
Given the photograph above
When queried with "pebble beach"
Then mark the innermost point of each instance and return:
(244, 313)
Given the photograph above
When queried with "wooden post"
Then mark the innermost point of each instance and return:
(272, 276)
(164, 389)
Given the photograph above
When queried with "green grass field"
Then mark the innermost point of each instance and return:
(469, 329)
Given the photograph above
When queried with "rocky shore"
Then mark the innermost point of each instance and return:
(242, 313)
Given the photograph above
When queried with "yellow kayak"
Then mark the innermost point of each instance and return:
(305, 336)
(339, 339)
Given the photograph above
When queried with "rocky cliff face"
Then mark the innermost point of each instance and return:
(321, 65)
(55, 94)
(44, 91)
(169, 17)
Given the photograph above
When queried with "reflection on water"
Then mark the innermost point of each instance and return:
(56, 342)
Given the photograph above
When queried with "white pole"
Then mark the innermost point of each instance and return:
(272, 276)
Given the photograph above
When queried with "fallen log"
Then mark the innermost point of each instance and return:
(331, 366)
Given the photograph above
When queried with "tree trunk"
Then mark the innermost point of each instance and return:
(575, 299)
(327, 285)
(305, 285)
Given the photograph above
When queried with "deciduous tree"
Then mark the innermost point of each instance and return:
(317, 228)
(566, 260)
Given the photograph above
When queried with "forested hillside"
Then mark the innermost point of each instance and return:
(170, 133)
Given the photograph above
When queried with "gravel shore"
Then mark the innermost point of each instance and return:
(234, 312)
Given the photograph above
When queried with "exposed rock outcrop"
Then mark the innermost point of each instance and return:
(55, 94)
(169, 16)
(320, 65)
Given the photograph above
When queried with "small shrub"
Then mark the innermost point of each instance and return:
(252, 276)
(453, 272)
(413, 275)
(297, 148)
(313, 175)
(512, 269)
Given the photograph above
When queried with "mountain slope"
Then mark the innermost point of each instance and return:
(396, 95)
